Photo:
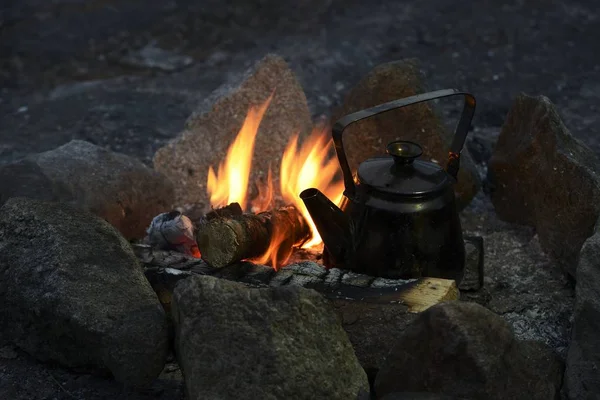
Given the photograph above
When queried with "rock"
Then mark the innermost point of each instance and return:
(542, 176)
(467, 351)
(235, 342)
(418, 123)
(213, 127)
(582, 375)
(74, 293)
(416, 396)
(117, 188)
(372, 327)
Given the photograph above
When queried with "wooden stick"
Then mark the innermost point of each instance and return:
(226, 240)
(429, 292)
(417, 295)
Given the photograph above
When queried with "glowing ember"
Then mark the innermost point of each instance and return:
(230, 184)
(303, 166)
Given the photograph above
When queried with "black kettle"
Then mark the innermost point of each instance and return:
(398, 217)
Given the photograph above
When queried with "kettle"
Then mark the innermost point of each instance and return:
(398, 217)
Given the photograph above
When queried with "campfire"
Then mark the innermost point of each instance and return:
(275, 220)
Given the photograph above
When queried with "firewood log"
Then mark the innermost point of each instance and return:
(226, 240)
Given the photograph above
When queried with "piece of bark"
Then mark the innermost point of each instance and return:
(223, 241)
(228, 211)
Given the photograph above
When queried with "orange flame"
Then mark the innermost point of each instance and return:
(302, 166)
(230, 184)
(309, 166)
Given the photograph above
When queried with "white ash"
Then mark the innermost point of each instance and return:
(173, 231)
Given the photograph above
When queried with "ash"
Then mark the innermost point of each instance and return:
(521, 283)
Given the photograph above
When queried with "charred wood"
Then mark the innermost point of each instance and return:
(230, 239)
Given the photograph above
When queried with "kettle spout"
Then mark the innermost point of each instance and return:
(331, 223)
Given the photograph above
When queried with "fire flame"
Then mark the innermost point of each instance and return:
(230, 184)
(309, 166)
(303, 166)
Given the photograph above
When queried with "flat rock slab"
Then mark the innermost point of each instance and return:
(418, 123)
(116, 187)
(74, 293)
(582, 375)
(236, 342)
(464, 350)
(544, 177)
(213, 127)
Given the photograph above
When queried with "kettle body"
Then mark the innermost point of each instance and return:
(421, 239)
(398, 218)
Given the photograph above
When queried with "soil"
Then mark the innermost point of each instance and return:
(72, 69)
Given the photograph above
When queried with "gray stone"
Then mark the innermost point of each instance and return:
(582, 375)
(542, 176)
(281, 277)
(372, 327)
(333, 277)
(310, 268)
(388, 283)
(214, 126)
(74, 293)
(307, 281)
(234, 342)
(359, 280)
(522, 284)
(117, 188)
(258, 274)
(467, 351)
(418, 123)
(416, 396)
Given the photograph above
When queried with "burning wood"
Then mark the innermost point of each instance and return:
(263, 237)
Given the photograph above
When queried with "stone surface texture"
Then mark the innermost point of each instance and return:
(464, 350)
(582, 375)
(419, 123)
(73, 292)
(212, 128)
(521, 283)
(237, 342)
(543, 176)
(116, 187)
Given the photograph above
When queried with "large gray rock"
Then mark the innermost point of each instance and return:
(118, 188)
(213, 127)
(418, 123)
(582, 375)
(73, 292)
(236, 342)
(416, 396)
(464, 350)
(542, 176)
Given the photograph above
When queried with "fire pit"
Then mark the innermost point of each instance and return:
(403, 224)
(256, 291)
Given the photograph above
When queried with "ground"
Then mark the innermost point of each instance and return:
(64, 74)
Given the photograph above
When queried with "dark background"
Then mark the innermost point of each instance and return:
(62, 73)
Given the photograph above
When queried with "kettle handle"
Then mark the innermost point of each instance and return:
(457, 144)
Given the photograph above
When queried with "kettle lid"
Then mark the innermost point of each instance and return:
(402, 173)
